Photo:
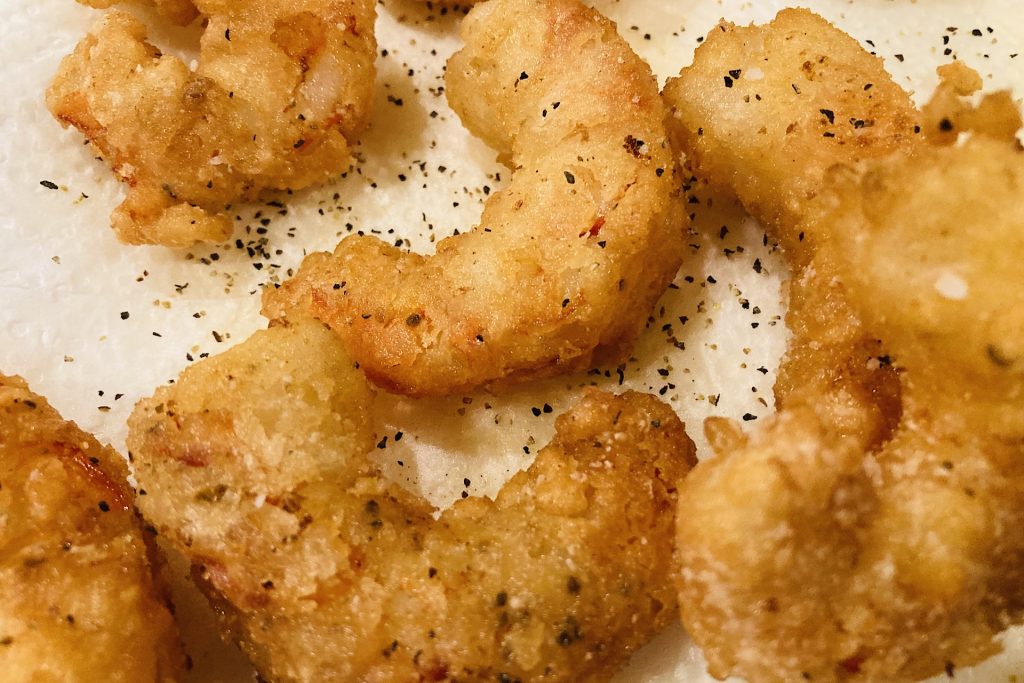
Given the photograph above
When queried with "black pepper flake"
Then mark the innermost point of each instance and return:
(413, 320)
(299, 143)
(383, 443)
(501, 598)
(633, 146)
(728, 81)
(747, 417)
(565, 302)
(104, 506)
(573, 585)
(432, 572)
(227, 34)
(735, 73)
(569, 178)
(29, 403)
(536, 411)
(829, 114)
(547, 408)
(523, 75)
(945, 125)
(48, 184)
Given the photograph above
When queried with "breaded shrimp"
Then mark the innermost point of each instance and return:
(870, 531)
(566, 262)
(279, 92)
(254, 465)
(765, 111)
(78, 599)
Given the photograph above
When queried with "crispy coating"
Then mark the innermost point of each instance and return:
(279, 91)
(254, 465)
(870, 531)
(567, 260)
(767, 109)
(78, 600)
(801, 552)
(179, 12)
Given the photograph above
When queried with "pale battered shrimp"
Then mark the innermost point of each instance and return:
(566, 262)
(867, 532)
(254, 465)
(280, 90)
(79, 601)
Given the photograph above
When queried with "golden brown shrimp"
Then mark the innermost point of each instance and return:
(566, 262)
(867, 531)
(255, 466)
(78, 599)
(765, 111)
(279, 91)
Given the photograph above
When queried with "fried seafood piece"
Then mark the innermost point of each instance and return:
(805, 556)
(78, 597)
(765, 111)
(255, 466)
(566, 262)
(870, 531)
(280, 90)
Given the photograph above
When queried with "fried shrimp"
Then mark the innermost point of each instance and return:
(254, 466)
(870, 531)
(567, 261)
(280, 91)
(78, 600)
(765, 111)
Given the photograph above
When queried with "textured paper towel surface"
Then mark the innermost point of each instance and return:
(95, 325)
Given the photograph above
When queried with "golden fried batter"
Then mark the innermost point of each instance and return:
(254, 466)
(78, 600)
(833, 544)
(765, 110)
(801, 553)
(280, 90)
(566, 262)
(179, 12)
